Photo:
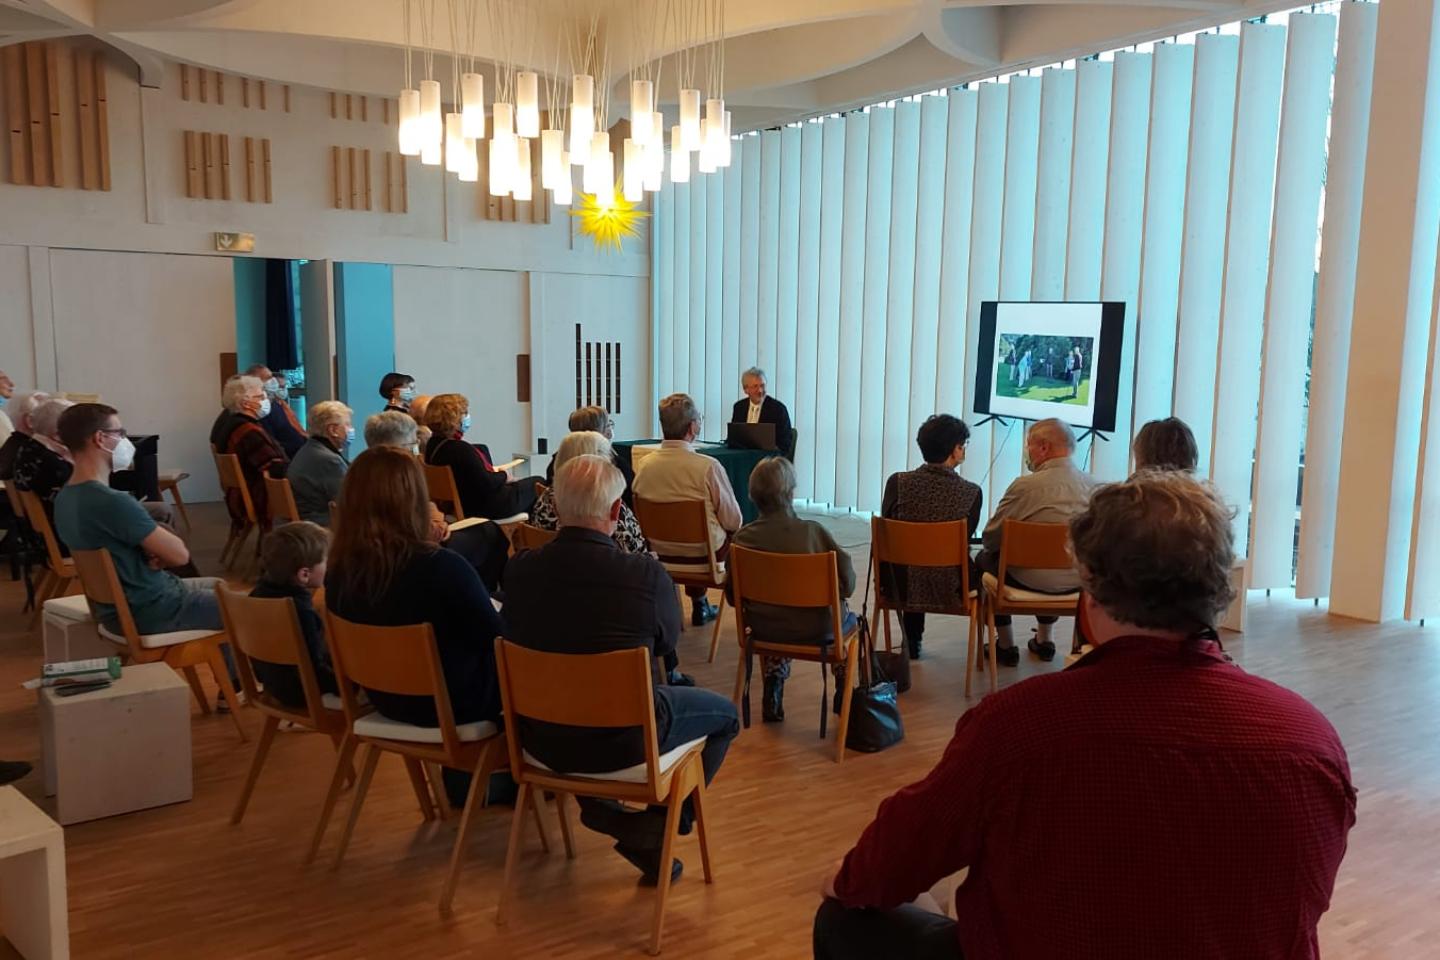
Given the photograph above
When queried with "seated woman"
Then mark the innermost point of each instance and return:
(484, 491)
(319, 467)
(1165, 445)
(778, 530)
(543, 514)
(386, 569)
(21, 406)
(398, 389)
(242, 434)
(931, 493)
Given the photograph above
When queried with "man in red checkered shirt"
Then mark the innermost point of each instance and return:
(1152, 801)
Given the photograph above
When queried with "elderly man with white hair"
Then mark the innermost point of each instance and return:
(21, 406)
(1054, 491)
(392, 429)
(239, 431)
(581, 594)
(318, 469)
(759, 407)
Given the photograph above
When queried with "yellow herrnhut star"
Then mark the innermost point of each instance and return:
(607, 224)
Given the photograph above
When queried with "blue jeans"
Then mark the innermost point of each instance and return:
(200, 610)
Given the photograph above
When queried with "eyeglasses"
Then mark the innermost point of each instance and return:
(115, 432)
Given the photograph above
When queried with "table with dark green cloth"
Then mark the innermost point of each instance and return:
(737, 464)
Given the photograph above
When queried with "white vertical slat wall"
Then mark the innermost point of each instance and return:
(1185, 179)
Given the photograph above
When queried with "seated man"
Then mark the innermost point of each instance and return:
(1055, 491)
(759, 407)
(241, 432)
(89, 515)
(581, 593)
(597, 419)
(1184, 807)
(280, 421)
(677, 472)
(318, 469)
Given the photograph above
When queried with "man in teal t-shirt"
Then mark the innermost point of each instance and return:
(89, 515)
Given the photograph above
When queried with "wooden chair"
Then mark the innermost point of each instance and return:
(795, 580)
(443, 492)
(686, 524)
(527, 536)
(269, 630)
(60, 577)
(170, 480)
(227, 467)
(183, 650)
(944, 544)
(22, 556)
(404, 660)
(596, 690)
(280, 501)
(1034, 546)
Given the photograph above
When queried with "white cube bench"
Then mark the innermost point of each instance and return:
(70, 632)
(33, 912)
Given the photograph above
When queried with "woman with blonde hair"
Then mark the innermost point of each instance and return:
(484, 491)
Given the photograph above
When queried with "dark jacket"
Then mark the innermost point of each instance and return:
(285, 427)
(621, 463)
(931, 493)
(439, 588)
(315, 475)
(771, 411)
(483, 492)
(581, 593)
(282, 681)
(259, 454)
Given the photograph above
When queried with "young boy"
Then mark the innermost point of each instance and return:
(293, 561)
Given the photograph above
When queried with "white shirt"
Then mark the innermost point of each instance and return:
(754, 415)
(7, 428)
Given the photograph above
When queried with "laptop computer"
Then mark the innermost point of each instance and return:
(751, 436)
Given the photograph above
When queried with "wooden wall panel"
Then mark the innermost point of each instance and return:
(35, 98)
(194, 180)
(224, 143)
(85, 105)
(249, 169)
(265, 170)
(102, 120)
(52, 86)
(13, 58)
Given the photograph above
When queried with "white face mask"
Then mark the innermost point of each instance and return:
(122, 455)
(271, 386)
(264, 410)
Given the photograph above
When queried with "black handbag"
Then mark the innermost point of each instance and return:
(875, 721)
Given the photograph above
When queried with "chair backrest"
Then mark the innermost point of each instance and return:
(580, 690)
(280, 500)
(40, 523)
(268, 629)
(102, 585)
(527, 536)
(785, 580)
(441, 481)
(684, 523)
(940, 544)
(540, 489)
(400, 660)
(334, 516)
(13, 494)
(1036, 546)
(227, 467)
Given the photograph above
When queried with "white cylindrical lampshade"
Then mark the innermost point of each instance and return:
(563, 193)
(706, 155)
(432, 154)
(582, 127)
(522, 185)
(679, 158)
(689, 120)
(410, 138)
(502, 159)
(472, 105)
(605, 189)
(552, 149)
(470, 161)
(527, 104)
(714, 109)
(642, 111)
(432, 122)
(454, 144)
(502, 119)
(582, 91)
(634, 170)
(725, 145)
(599, 153)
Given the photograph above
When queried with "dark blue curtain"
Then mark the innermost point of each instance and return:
(282, 352)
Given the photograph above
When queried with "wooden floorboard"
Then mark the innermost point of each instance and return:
(180, 881)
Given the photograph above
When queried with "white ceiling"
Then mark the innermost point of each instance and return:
(784, 59)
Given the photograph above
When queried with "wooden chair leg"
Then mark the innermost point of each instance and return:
(852, 656)
(562, 809)
(436, 779)
(227, 689)
(45, 590)
(421, 788)
(344, 770)
(262, 750)
(537, 810)
(180, 505)
(715, 633)
(478, 783)
(994, 666)
(875, 620)
(512, 855)
(662, 889)
(740, 678)
(367, 772)
(196, 688)
(232, 541)
(698, 799)
(970, 649)
(889, 643)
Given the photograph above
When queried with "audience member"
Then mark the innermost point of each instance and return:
(1166, 445)
(676, 472)
(91, 516)
(418, 409)
(778, 530)
(319, 467)
(386, 569)
(21, 407)
(7, 390)
(293, 566)
(1205, 809)
(582, 594)
(392, 429)
(280, 419)
(1055, 491)
(932, 493)
(628, 535)
(42, 465)
(484, 491)
(597, 419)
(241, 432)
(398, 390)
(760, 407)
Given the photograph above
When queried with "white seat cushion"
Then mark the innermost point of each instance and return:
(1020, 595)
(75, 609)
(700, 568)
(375, 725)
(152, 641)
(173, 476)
(331, 702)
(635, 774)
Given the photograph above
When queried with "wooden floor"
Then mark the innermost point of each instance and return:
(181, 882)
